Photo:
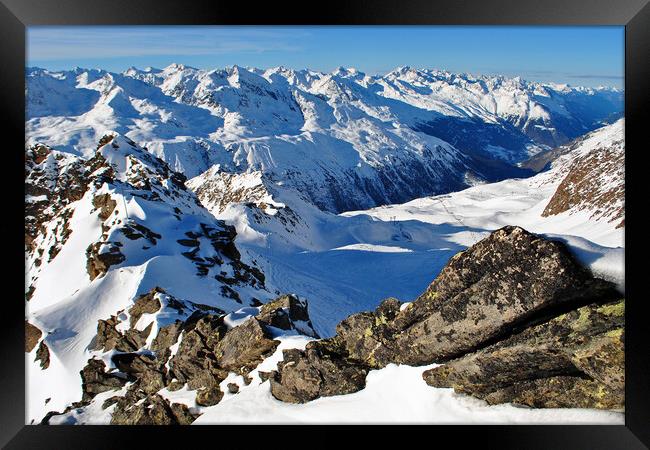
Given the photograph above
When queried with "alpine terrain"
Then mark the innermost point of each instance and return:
(244, 245)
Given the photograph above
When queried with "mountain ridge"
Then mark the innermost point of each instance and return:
(375, 140)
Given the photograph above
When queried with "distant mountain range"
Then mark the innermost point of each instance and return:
(345, 139)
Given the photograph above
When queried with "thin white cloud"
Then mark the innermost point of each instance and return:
(46, 43)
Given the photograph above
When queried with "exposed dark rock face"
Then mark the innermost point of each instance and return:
(507, 282)
(147, 370)
(133, 230)
(573, 360)
(145, 304)
(318, 371)
(209, 396)
(43, 355)
(95, 379)
(53, 182)
(287, 312)
(222, 247)
(487, 291)
(108, 338)
(582, 187)
(245, 346)
(105, 204)
(99, 261)
(32, 336)
(207, 352)
(195, 362)
(152, 410)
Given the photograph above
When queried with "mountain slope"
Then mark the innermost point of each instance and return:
(595, 178)
(100, 233)
(345, 139)
(345, 263)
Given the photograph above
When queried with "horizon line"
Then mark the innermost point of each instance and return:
(377, 74)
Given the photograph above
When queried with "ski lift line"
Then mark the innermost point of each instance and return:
(475, 237)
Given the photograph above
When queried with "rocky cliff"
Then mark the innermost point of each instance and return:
(513, 319)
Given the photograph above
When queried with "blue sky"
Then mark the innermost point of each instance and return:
(587, 56)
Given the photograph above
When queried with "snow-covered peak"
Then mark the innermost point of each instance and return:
(296, 125)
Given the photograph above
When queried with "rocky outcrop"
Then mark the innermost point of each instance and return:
(100, 256)
(287, 312)
(105, 204)
(150, 410)
(245, 346)
(95, 379)
(195, 362)
(221, 248)
(147, 371)
(145, 304)
(206, 351)
(508, 282)
(108, 338)
(573, 360)
(593, 181)
(32, 336)
(320, 370)
(43, 355)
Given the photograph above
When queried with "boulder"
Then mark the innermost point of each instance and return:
(368, 337)
(507, 282)
(108, 338)
(147, 370)
(245, 346)
(105, 204)
(504, 282)
(209, 396)
(145, 304)
(152, 410)
(573, 360)
(287, 312)
(318, 371)
(195, 362)
(167, 336)
(95, 379)
(98, 261)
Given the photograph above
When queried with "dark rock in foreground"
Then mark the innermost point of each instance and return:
(574, 360)
(152, 410)
(507, 282)
(95, 379)
(207, 351)
(245, 346)
(209, 396)
(318, 371)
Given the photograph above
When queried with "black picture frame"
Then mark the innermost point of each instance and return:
(16, 15)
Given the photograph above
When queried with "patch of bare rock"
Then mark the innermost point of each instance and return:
(515, 318)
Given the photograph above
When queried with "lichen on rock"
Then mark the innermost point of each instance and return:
(510, 281)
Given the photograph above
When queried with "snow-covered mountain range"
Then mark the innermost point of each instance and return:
(350, 259)
(168, 212)
(345, 139)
